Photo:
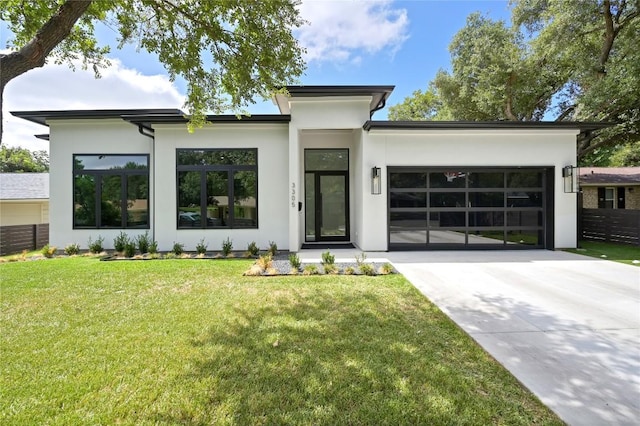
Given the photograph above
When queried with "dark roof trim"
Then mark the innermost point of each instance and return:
(475, 125)
(307, 91)
(43, 136)
(41, 117)
(173, 118)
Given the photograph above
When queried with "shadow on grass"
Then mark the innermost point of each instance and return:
(360, 358)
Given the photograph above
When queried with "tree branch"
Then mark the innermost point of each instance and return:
(609, 37)
(53, 32)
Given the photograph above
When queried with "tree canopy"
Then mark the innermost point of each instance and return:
(559, 59)
(21, 160)
(228, 51)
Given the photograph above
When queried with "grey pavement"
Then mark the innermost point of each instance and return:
(566, 326)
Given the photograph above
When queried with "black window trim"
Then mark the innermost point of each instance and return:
(99, 173)
(203, 169)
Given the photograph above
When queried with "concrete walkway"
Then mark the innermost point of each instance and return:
(567, 326)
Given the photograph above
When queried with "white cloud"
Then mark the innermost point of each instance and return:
(338, 31)
(56, 87)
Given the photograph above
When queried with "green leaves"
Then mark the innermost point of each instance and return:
(21, 160)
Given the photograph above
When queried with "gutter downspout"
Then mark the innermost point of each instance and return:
(150, 133)
(381, 104)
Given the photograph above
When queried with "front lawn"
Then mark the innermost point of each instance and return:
(617, 252)
(194, 342)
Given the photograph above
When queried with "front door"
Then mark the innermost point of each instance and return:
(326, 195)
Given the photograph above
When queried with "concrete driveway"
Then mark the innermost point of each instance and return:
(567, 326)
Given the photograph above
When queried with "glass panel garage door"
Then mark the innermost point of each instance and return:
(454, 208)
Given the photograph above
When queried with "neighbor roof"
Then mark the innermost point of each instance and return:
(379, 94)
(609, 175)
(24, 186)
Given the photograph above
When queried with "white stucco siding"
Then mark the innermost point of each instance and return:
(271, 141)
(480, 148)
(71, 137)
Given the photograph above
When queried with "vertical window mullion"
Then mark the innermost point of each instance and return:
(230, 191)
(124, 195)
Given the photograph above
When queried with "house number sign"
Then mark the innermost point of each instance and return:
(293, 194)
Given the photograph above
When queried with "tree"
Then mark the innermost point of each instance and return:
(228, 51)
(566, 59)
(419, 106)
(21, 160)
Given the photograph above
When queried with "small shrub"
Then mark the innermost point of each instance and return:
(265, 262)
(144, 241)
(23, 255)
(271, 271)
(227, 246)
(310, 270)
(96, 246)
(177, 249)
(155, 255)
(360, 259)
(294, 260)
(72, 249)
(153, 247)
(367, 269)
(170, 255)
(294, 271)
(273, 248)
(185, 256)
(330, 268)
(120, 241)
(253, 249)
(328, 258)
(130, 249)
(349, 270)
(201, 247)
(386, 269)
(254, 270)
(48, 251)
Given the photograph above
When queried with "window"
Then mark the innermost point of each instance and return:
(217, 188)
(111, 191)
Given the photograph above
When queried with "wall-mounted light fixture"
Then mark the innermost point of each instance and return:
(376, 181)
(570, 175)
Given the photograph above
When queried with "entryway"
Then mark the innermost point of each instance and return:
(326, 186)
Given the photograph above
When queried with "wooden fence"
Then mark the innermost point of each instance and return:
(612, 225)
(14, 239)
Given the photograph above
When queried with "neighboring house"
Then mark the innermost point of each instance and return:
(24, 211)
(610, 187)
(24, 198)
(320, 172)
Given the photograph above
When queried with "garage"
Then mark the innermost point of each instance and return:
(440, 208)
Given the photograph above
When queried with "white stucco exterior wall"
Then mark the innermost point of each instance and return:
(69, 137)
(485, 148)
(271, 141)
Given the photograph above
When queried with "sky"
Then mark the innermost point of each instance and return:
(348, 42)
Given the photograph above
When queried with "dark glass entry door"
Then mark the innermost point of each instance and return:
(327, 211)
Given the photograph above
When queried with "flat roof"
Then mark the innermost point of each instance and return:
(41, 117)
(146, 119)
(474, 125)
(379, 94)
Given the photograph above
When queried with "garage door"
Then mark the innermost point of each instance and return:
(467, 208)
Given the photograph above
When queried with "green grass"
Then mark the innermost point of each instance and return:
(617, 252)
(194, 342)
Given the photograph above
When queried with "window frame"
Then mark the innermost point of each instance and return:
(231, 170)
(98, 175)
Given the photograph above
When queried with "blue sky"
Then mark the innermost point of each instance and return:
(401, 43)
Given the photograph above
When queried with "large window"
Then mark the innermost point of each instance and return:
(217, 188)
(110, 191)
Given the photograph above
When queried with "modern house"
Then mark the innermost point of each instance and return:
(320, 172)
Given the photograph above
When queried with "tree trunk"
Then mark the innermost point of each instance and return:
(34, 54)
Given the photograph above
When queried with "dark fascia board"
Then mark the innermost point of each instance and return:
(149, 119)
(475, 125)
(43, 136)
(41, 117)
(379, 94)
